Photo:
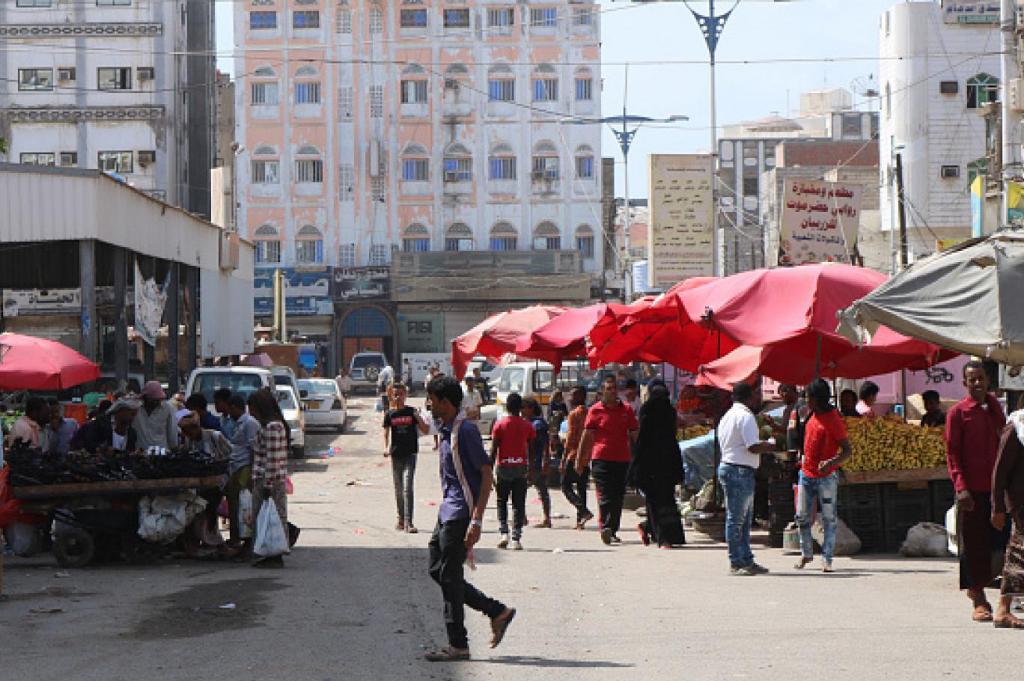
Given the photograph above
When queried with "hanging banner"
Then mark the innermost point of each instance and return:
(149, 306)
(680, 239)
(1014, 203)
(819, 221)
(978, 206)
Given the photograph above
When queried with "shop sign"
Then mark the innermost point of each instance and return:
(360, 283)
(680, 238)
(819, 221)
(970, 12)
(421, 332)
(307, 292)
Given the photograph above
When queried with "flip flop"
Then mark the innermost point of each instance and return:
(448, 654)
(499, 626)
(982, 614)
(1008, 623)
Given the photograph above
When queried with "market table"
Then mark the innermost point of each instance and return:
(115, 487)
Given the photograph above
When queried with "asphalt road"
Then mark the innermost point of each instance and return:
(354, 602)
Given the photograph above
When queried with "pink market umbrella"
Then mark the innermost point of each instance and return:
(497, 335)
(565, 336)
(29, 363)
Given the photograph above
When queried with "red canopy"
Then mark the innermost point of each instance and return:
(29, 363)
(564, 336)
(497, 335)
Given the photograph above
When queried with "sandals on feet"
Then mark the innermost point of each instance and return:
(982, 613)
(499, 625)
(1009, 622)
(448, 654)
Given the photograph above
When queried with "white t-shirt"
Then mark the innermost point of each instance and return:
(737, 432)
(471, 400)
(118, 442)
(864, 410)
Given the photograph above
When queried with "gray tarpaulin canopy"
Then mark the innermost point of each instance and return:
(969, 298)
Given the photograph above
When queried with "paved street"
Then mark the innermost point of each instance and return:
(355, 603)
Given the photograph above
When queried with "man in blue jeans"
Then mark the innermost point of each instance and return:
(740, 440)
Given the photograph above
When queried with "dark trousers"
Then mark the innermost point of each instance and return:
(663, 525)
(540, 481)
(610, 485)
(574, 487)
(403, 470)
(978, 541)
(516, 489)
(447, 555)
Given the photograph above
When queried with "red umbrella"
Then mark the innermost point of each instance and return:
(497, 335)
(28, 363)
(564, 336)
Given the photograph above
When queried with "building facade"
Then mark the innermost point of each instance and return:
(125, 86)
(933, 104)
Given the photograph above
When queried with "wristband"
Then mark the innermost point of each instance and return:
(476, 523)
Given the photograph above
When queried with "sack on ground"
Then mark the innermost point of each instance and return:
(847, 543)
(245, 514)
(271, 539)
(927, 540)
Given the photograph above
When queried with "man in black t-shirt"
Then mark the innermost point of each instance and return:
(402, 428)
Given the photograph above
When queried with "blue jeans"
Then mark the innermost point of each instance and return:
(738, 485)
(823, 489)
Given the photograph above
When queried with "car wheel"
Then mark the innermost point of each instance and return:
(343, 427)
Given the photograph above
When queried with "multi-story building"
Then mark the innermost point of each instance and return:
(125, 86)
(938, 72)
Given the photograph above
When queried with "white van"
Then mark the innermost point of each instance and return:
(538, 379)
(241, 380)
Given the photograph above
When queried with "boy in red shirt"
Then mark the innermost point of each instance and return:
(826, 447)
(510, 442)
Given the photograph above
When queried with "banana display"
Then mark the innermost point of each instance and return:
(690, 432)
(890, 444)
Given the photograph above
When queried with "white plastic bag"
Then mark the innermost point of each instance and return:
(245, 520)
(925, 540)
(271, 539)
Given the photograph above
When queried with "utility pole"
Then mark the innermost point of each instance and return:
(1011, 119)
(901, 207)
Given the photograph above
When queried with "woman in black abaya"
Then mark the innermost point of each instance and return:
(657, 468)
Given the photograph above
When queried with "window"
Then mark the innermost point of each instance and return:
(379, 254)
(343, 21)
(415, 239)
(377, 187)
(459, 237)
(949, 87)
(35, 79)
(115, 161)
(376, 101)
(307, 93)
(119, 78)
(306, 19)
(413, 18)
(982, 89)
(545, 17)
(584, 164)
(416, 169)
(69, 159)
(309, 245)
(546, 237)
(851, 123)
(502, 167)
(976, 168)
(545, 162)
(458, 164)
(376, 20)
(949, 172)
(113, 3)
(67, 74)
(585, 242)
(309, 170)
(345, 101)
(413, 92)
(264, 94)
(347, 255)
(503, 237)
(38, 159)
(145, 72)
(502, 89)
(584, 89)
(262, 21)
(456, 18)
(268, 245)
(37, 3)
(265, 172)
(501, 18)
(582, 16)
(750, 186)
(346, 181)
(545, 85)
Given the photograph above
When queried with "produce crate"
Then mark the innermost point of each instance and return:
(942, 495)
(860, 496)
(865, 520)
(902, 509)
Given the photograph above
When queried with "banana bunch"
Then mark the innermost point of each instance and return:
(890, 444)
(690, 432)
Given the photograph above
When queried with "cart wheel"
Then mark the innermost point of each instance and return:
(74, 548)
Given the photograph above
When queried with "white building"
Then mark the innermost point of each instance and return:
(939, 67)
(106, 84)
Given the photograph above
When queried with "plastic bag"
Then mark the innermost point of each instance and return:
(847, 543)
(245, 519)
(271, 539)
(925, 540)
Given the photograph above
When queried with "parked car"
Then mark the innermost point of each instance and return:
(241, 380)
(325, 405)
(284, 375)
(294, 415)
(364, 368)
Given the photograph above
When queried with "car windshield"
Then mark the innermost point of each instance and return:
(282, 379)
(286, 400)
(324, 387)
(243, 384)
(363, 361)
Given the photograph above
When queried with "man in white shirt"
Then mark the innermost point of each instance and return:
(471, 400)
(384, 380)
(740, 441)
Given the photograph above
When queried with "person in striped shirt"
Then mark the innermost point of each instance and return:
(269, 461)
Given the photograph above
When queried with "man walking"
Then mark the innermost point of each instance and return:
(973, 428)
(465, 485)
(609, 430)
(540, 457)
(741, 445)
(826, 447)
(245, 433)
(510, 441)
(402, 428)
(574, 481)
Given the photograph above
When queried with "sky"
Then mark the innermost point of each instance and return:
(835, 41)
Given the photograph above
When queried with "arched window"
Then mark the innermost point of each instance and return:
(307, 85)
(584, 82)
(501, 163)
(976, 168)
(584, 163)
(264, 72)
(545, 162)
(306, 72)
(343, 20)
(413, 85)
(504, 237)
(501, 83)
(266, 168)
(415, 239)
(376, 19)
(458, 164)
(585, 242)
(310, 169)
(545, 83)
(268, 244)
(415, 163)
(264, 87)
(455, 76)
(547, 237)
(458, 237)
(982, 89)
(309, 245)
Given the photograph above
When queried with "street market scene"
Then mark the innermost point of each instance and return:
(337, 343)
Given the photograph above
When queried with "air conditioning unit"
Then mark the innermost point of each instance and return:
(146, 158)
(66, 73)
(229, 250)
(949, 172)
(451, 176)
(1015, 94)
(145, 72)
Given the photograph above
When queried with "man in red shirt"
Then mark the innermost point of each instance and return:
(973, 428)
(610, 429)
(510, 441)
(826, 447)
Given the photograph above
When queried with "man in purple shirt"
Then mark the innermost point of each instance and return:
(466, 479)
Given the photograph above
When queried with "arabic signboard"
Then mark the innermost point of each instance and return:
(421, 332)
(970, 12)
(819, 221)
(680, 239)
(307, 292)
(360, 283)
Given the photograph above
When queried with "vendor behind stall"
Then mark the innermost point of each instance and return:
(155, 423)
(28, 428)
(110, 430)
(59, 430)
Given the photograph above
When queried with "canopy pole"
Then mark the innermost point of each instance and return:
(817, 359)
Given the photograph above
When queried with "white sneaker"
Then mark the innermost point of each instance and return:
(503, 541)
(516, 546)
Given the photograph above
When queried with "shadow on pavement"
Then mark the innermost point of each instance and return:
(554, 663)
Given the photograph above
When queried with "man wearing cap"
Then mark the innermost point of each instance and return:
(112, 429)
(155, 423)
